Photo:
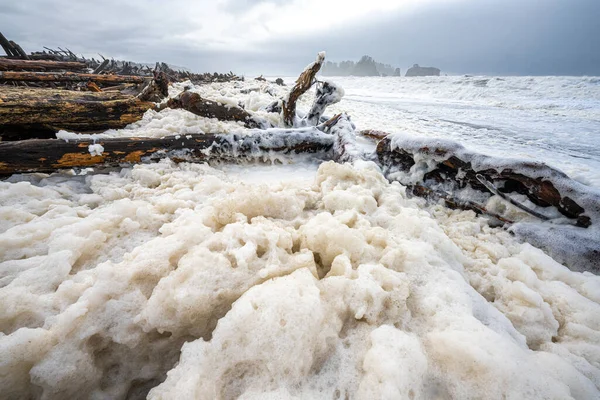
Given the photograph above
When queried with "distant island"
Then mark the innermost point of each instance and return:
(367, 66)
(416, 70)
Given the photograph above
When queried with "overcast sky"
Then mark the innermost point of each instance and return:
(279, 37)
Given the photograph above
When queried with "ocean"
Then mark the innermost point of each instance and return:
(555, 120)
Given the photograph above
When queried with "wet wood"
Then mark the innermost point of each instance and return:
(457, 173)
(195, 104)
(326, 94)
(373, 134)
(28, 76)
(46, 155)
(7, 64)
(303, 83)
(70, 110)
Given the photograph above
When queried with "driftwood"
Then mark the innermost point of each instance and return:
(46, 155)
(14, 76)
(454, 171)
(373, 134)
(65, 109)
(327, 94)
(344, 147)
(303, 83)
(12, 49)
(7, 64)
(195, 104)
(26, 111)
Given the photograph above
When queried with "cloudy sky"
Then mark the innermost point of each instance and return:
(279, 37)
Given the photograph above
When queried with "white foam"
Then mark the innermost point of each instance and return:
(337, 286)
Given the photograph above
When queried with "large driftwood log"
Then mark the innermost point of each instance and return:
(451, 168)
(303, 83)
(46, 155)
(195, 104)
(15, 76)
(70, 110)
(7, 64)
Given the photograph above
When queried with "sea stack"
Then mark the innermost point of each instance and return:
(417, 70)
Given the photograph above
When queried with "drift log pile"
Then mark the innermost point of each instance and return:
(451, 168)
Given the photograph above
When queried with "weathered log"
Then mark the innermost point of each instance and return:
(303, 83)
(494, 190)
(195, 104)
(101, 67)
(154, 90)
(454, 168)
(92, 87)
(373, 134)
(27, 76)
(8, 47)
(46, 155)
(19, 50)
(70, 110)
(327, 93)
(345, 148)
(7, 64)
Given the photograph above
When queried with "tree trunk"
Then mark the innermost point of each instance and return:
(70, 110)
(195, 104)
(45, 155)
(12, 76)
(7, 64)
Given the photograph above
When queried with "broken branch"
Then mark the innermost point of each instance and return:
(303, 83)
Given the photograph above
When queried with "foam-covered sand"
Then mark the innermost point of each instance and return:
(185, 281)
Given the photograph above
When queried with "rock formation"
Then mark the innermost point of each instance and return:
(416, 70)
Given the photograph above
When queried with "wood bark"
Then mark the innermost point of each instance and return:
(326, 94)
(303, 83)
(373, 134)
(19, 50)
(195, 104)
(27, 76)
(45, 155)
(452, 171)
(7, 64)
(69, 110)
(8, 47)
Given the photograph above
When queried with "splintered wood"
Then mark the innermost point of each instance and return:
(303, 83)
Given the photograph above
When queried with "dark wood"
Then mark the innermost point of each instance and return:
(101, 67)
(19, 50)
(303, 83)
(8, 47)
(458, 174)
(373, 134)
(71, 110)
(7, 64)
(29, 76)
(195, 104)
(46, 155)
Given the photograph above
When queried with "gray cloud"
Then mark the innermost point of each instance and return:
(529, 37)
(240, 6)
